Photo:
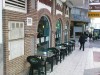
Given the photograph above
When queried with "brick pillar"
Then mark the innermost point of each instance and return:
(53, 9)
(53, 30)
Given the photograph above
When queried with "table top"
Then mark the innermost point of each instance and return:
(45, 53)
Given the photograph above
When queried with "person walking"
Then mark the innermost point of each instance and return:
(82, 40)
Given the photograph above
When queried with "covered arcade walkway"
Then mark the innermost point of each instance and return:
(80, 62)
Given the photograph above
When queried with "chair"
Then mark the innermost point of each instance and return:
(62, 52)
(36, 64)
(73, 42)
(55, 51)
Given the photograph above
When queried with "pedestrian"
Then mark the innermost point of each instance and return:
(90, 36)
(82, 40)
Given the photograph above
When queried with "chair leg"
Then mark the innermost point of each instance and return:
(51, 64)
(45, 68)
(31, 71)
(60, 57)
(57, 59)
(39, 72)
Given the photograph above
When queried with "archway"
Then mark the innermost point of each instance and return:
(58, 32)
(43, 33)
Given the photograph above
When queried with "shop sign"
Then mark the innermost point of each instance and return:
(93, 14)
(94, 7)
(94, 1)
(29, 21)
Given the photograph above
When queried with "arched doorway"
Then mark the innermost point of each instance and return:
(58, 32)
(43, 33)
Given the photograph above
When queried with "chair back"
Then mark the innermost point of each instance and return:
(34, 61)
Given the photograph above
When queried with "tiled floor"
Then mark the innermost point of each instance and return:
(79, 62)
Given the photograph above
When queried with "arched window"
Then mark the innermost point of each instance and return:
(43, 33)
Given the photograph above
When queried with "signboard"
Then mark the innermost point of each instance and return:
(94, 1)
(94, 7)
(29, 21)
(93, 14)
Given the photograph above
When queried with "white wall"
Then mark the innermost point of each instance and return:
(1, 41)
(0, 21)
(41, 6)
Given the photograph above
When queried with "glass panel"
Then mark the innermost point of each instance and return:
(13, 25)
(58, 32)
(17, 25)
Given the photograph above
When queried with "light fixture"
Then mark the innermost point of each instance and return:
(63, 0)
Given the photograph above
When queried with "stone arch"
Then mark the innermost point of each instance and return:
(45, 12)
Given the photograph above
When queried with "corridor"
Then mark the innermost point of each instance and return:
(81, 62)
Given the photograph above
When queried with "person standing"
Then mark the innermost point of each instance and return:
(82, 40)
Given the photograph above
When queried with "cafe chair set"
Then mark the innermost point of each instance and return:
(50, 56)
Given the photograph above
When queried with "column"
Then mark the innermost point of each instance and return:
(1, 40)
(53, 10)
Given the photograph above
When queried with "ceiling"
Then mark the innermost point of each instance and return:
(79, 3)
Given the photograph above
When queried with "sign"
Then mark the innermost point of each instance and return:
(93, 14)
(94, 7)
(29, 21)
(94, 1)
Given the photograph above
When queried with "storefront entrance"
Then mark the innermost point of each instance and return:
(43, 37)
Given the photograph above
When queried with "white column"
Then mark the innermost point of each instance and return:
(0, 21)
(1, 40)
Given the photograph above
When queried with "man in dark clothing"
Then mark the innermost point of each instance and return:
(82, 40)
(90, 36)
